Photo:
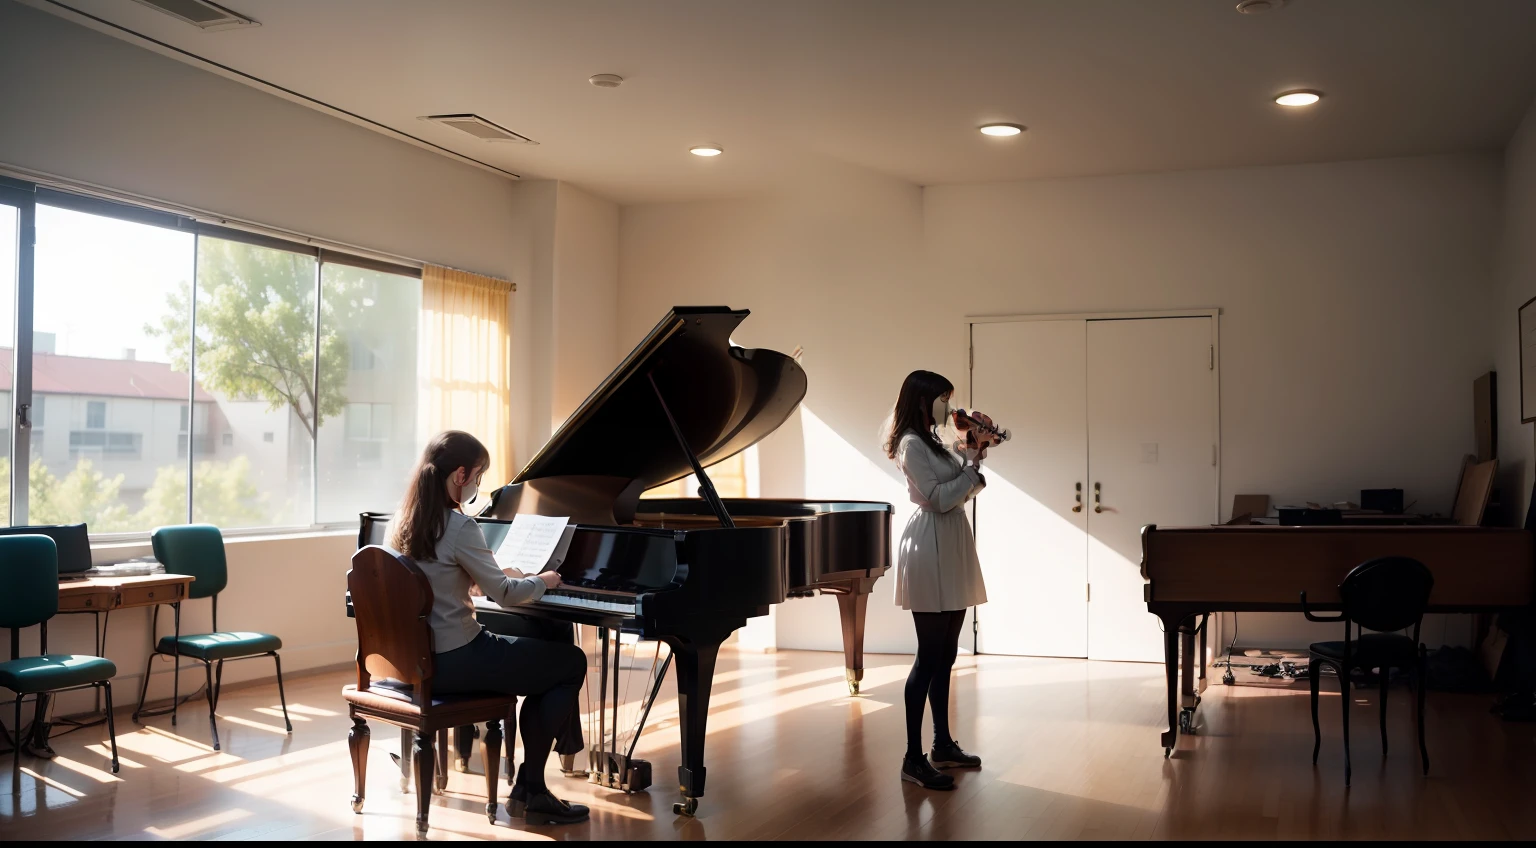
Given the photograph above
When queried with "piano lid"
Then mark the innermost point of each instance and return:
(725, 399)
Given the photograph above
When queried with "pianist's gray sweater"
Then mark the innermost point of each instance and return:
(464, 559)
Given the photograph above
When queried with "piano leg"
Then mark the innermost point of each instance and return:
(695, 664)
(1171, 668)
(850, 608)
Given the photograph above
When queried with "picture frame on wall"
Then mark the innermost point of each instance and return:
(1527, 320)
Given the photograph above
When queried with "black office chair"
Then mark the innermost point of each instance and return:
(1383, 594)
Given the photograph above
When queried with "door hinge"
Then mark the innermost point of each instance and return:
(973, 358)
(1213, 357)
(1213, 456)
(1088, 592)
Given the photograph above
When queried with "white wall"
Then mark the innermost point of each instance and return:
(586, 297)
(1516, 274)
(1354, 300)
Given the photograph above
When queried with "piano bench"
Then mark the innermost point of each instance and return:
(429, 724)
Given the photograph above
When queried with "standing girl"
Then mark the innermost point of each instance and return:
(937, 573)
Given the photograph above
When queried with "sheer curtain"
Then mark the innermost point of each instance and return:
(466, 345)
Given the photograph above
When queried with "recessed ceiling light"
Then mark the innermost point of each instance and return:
(1001, 129)
(707, 150)
(1299, 97)
(606, 80)
(1258, 7)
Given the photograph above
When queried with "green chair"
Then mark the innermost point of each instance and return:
(29, 595)
(198, 550)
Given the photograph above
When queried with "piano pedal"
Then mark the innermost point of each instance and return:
(627, 776)
(1187, 720)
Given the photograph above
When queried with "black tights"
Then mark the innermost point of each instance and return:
(938, 641)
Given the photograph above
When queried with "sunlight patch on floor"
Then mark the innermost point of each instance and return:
(192, 828)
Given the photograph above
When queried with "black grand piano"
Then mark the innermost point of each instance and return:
(689, 571)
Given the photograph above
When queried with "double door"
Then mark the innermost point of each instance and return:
(1114, 427)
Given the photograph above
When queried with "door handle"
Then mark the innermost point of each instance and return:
(1097, 506)
(1078, 498)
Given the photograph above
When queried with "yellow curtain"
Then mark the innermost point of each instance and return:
(466, 347)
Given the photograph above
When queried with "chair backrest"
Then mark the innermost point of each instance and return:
(1387, 593)
(73, 541)
(195, 549)
(391, 599)
(29, 573)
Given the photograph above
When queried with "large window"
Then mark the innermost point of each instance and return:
(273, 381)
(368, 435)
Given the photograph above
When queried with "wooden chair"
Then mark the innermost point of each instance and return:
(391, 599)
(1381, 595)
(29, 573)
(198, 550)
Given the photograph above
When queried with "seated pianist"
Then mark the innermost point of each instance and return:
(450, 549)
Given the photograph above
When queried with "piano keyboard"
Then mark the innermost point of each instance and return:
(603, 602)
(609, 602)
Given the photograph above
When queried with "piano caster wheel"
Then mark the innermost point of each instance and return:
(1186, 721)
(854, 678)
(461, 765)
(1228, 679)
(1167, 752)
(357, 804)
(686, 808)
(439, 783)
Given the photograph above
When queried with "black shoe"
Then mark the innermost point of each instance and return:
(949, 755)
(517, 802)
(545, 808)
(918, 770)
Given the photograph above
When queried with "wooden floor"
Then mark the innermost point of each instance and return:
(1071, 752)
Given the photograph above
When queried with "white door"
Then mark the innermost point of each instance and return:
(1152, 455)
(1030, 377)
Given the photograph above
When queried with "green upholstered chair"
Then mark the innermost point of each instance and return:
(29, 595)
(198, 550)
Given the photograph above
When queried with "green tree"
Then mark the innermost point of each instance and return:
(84, 494)
(222, 495)
(255, 330)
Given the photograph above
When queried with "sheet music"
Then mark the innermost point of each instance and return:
(533, 541)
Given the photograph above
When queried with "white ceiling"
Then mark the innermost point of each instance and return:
(895, 86)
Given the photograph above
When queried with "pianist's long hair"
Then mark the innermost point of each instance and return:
(423, 515)
(914, 410)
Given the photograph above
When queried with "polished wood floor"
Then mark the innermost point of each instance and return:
(1071, 752)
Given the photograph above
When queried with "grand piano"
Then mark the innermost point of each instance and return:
(688, 571)
(1195, 571)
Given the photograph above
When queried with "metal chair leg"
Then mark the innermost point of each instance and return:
(176, 669)
(1419, 682)
(106, 688)
(1314, 674)
(144, 683)
(281, 698)
(1344, 699)
(213, 723)
(1384, 672)
(16, 751)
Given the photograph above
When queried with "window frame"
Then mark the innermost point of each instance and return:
(25, 196)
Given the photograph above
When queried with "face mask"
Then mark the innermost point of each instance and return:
(940, 411)
(468, 491)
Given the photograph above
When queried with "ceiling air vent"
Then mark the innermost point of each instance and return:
(479, 128)
(201, 14)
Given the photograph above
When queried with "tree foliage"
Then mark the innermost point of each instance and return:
(222, 491)
(256, 328)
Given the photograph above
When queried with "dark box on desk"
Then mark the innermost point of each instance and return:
(1389, 501)
(1308, 517)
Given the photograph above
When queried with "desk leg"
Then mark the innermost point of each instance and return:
(1171, 667)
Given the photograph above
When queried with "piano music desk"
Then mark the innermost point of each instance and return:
(1195, 571)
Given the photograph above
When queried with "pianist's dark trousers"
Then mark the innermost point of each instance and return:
(568, 737)
(549, 674)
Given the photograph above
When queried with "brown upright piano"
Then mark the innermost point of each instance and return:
(689, 572)
(1195, 571)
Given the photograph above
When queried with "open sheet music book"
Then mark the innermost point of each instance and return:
(535, 543)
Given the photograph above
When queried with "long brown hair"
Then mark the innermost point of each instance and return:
(423, 515)
(914, 410)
